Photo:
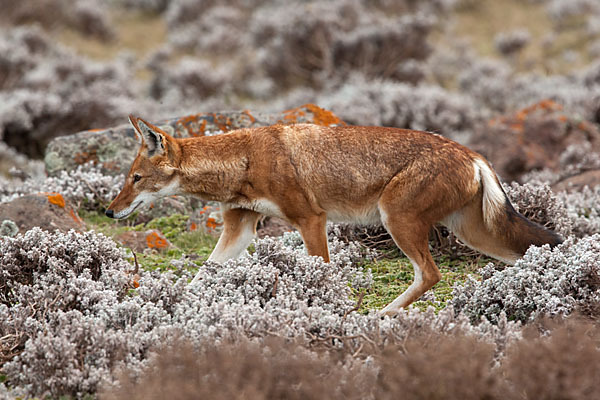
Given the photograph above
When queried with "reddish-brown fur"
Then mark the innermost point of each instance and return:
(407, 180)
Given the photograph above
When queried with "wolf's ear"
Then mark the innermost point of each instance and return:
(151, 136)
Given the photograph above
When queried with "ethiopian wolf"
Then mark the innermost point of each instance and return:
(406, 180)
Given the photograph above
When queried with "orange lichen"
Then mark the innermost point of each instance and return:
(549, 105)
(75, 216)
(247, 112)
(201, 129)
(516, 127)
(516, 120)
(223, 122)
(85, 157)
(323, 117)
(188, 119)
(212, 223)
(319, 116)
(195, 125)
(110, 166)
(193, 226)
(155, 241)
(57, 199)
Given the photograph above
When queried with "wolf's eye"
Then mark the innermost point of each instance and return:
(136, 177)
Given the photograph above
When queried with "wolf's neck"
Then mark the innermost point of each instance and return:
(213, 168)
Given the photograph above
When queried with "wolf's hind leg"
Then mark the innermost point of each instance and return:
(411, 236)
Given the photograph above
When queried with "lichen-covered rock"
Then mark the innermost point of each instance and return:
(140, 241)
(534, 138)
(48, 211)
(577, 182)
(208, 218)
(114, 149)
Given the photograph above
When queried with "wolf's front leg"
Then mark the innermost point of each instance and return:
(239, 228)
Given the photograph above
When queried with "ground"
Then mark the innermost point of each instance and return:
(392, 271)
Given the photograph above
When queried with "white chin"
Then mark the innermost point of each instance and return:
(128, 211)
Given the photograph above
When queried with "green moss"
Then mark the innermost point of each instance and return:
(393, 276)
(97, 221)
(196, 245)
(171, 226)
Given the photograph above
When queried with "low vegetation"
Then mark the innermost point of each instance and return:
(108, 312)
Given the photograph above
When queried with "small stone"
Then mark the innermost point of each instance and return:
(8, 228)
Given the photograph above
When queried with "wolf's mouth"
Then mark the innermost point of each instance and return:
(139, 203)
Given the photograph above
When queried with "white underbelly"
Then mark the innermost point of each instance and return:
(367, 216)
(358, 217)
(262, 206)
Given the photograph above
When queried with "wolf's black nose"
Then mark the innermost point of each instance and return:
(110, 213)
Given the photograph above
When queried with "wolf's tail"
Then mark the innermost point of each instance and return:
(507, 234)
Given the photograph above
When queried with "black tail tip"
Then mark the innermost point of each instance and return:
(552, 238)
(110, 213)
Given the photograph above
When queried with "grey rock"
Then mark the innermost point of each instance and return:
(49, 211)
(113, 149)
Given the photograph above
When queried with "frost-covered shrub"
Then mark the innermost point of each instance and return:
(86, 185)
(47, 91)
(496, 86)
(295, 42)
(374, 50)
(591, 75)
(86, 16)
(69, 319)
(273, 370)
(543, 283)
(90, 18)
(191, 78)
(488, 83)
(424, 107)
(581, 205)
(554, 362)
(78, 286)
(314, 45)
(508, 43)
(83, 319)
(47, 282)
(157, 6)
(570, 92)
(218, 29)
(562, 10)
(539, 204)
(447, 62)
(17, 165)
(37, 256)
(583, 208)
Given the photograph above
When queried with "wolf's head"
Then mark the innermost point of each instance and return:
(153, 173)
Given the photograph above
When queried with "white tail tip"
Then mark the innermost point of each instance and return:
(494, 199)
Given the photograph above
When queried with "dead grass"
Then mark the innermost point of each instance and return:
(555, 360)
